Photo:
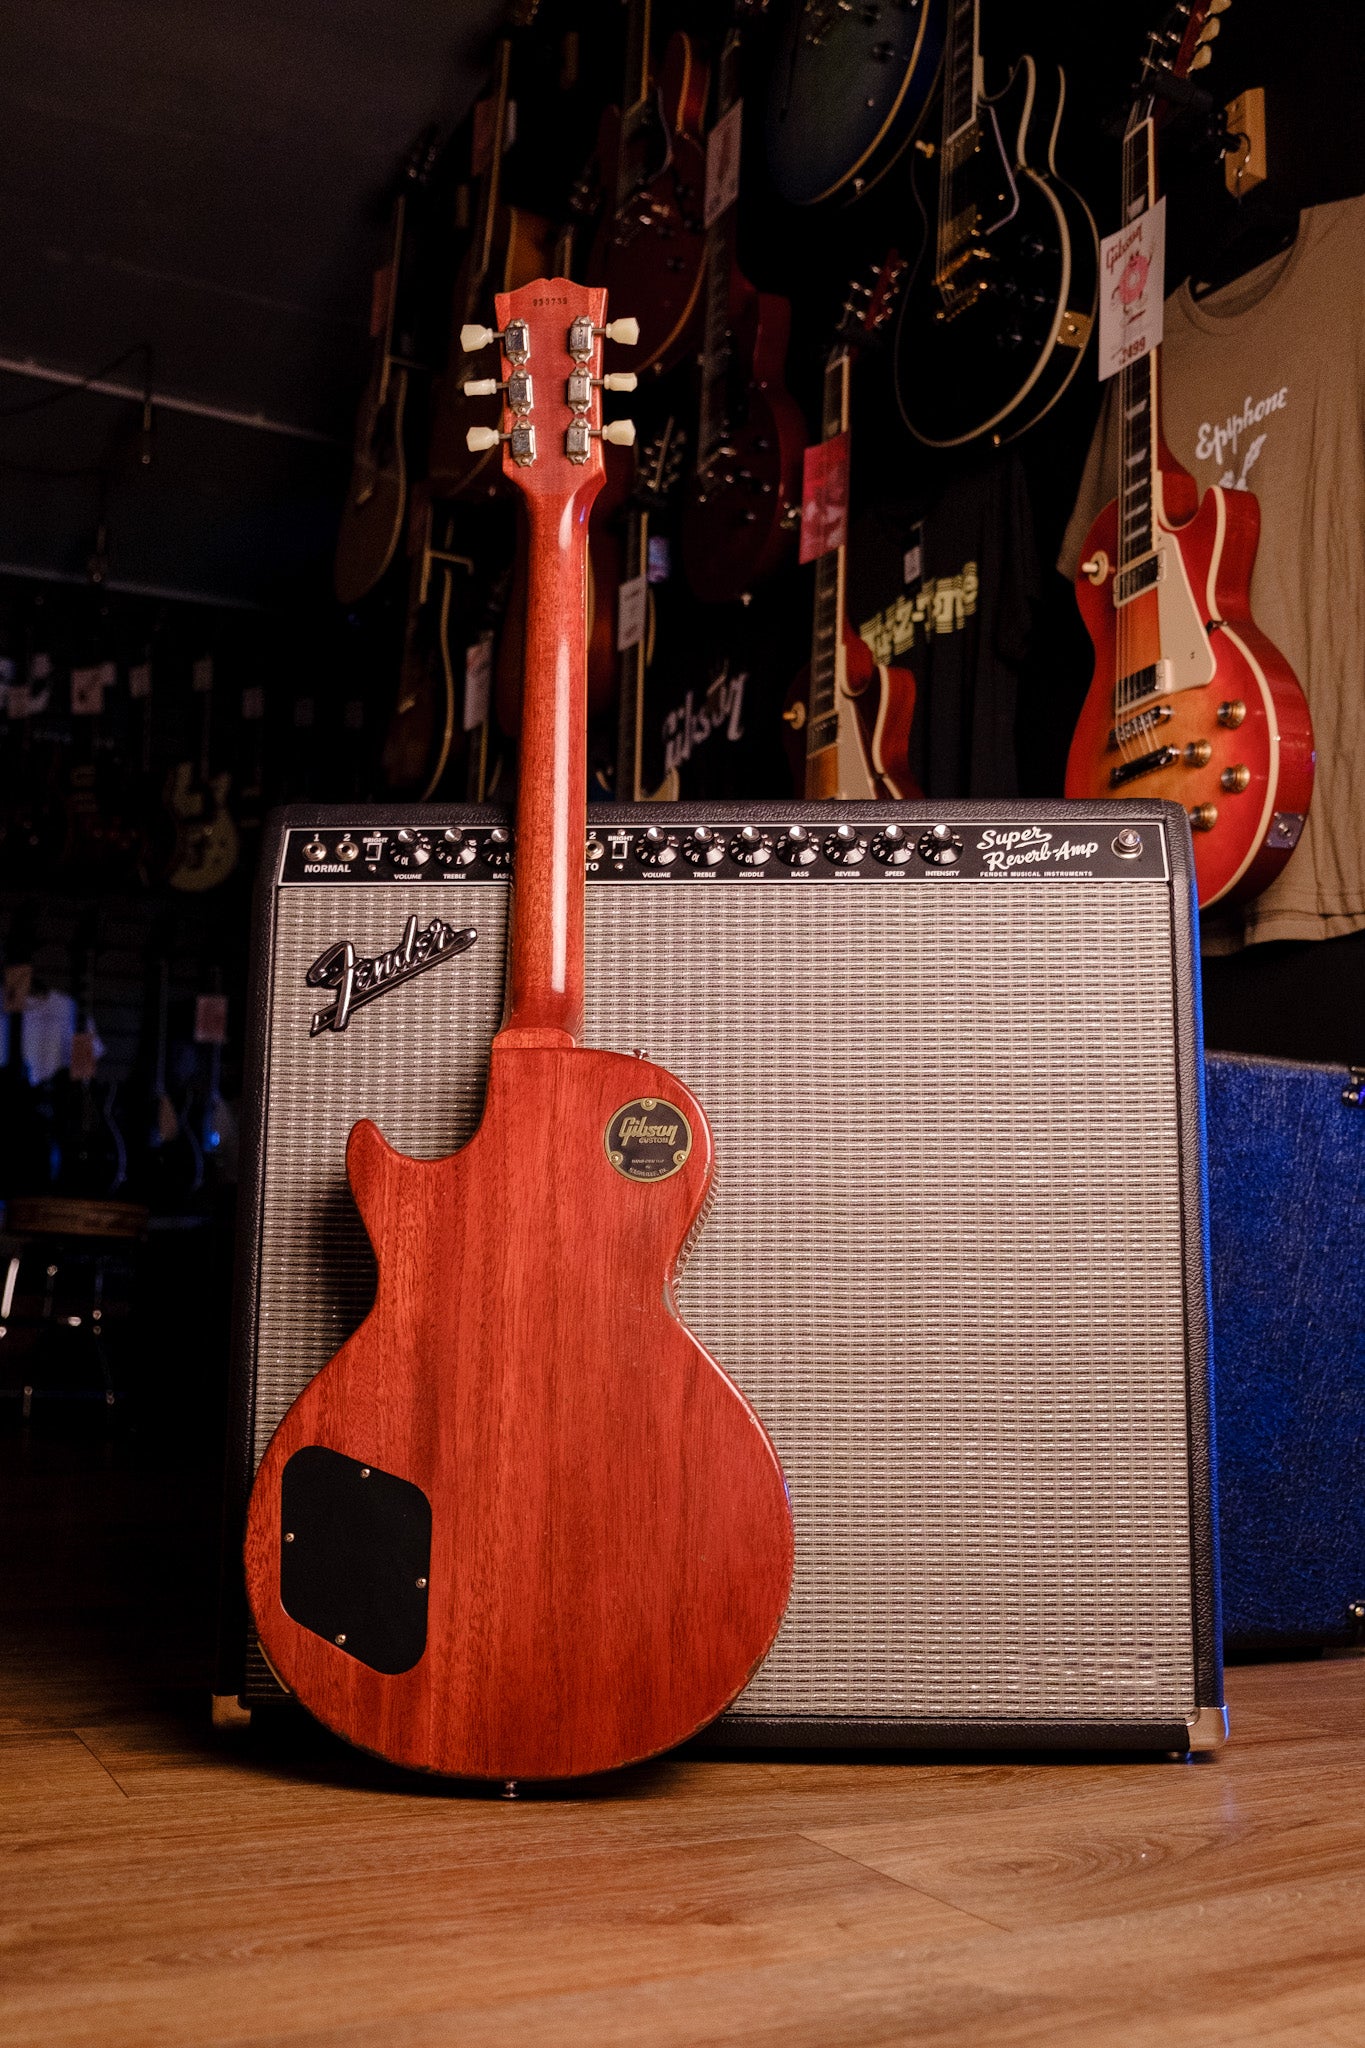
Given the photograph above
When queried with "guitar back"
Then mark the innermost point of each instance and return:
(610, 1549)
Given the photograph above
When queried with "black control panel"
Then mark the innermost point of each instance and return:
(776, 853)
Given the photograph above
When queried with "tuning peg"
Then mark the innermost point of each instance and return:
(626, 331)
(516, 339)
(480, 439)
(1212, 27)
(621, 433)
(620, 380)
(1202, 56)
(481, 387)
(474, 337)
(1219, 6)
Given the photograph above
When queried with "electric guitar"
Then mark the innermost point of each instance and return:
(1189, 700)
(745, 498)
(849, 87)
(649, 176)
(376, 496)
(1002, 301)
(507, 247)
(522, 1526)
(657, 469)
(849, 717)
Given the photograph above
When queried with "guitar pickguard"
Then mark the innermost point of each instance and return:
(1184, 636)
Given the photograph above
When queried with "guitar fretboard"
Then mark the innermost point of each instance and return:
(959, 68)
(720, 256)
(822, 711)
(1137, 386)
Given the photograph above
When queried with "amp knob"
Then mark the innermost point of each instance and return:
(703, 847)
(497, 849)
(796, 847)
(939, 846)
(750, 848)
(410, 849)
(845, 846)
(891, 846)
(452, 850)
(656, 849)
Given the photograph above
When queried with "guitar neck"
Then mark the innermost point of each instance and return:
(720, 261)
(633, 664)
(546, 968)
(492, 177)
(822, 709)
(635, 94)
(960, 78)
(1139, 395)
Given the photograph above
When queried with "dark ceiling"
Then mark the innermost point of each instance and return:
(208, 179)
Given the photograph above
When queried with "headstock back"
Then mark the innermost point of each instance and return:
(1182, 44)
(870, 302)
(550, 336)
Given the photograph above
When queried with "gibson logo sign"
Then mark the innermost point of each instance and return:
(357, 981)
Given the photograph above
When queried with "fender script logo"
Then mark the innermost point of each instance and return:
(357, 981)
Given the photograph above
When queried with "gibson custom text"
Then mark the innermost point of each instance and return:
(358, 980)
(1030, 846)
(649, 1134)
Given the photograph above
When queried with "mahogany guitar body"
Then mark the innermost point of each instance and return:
(1209, 558)
(608, 1547)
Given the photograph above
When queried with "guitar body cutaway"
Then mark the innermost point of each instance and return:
(609, 1545)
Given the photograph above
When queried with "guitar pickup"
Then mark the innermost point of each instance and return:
(1135, 728)
(1145, 764)
(1152, 681)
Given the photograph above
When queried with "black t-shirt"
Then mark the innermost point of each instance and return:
(946, 585)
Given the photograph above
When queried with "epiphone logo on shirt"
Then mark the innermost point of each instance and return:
(358, 980)
(1215, 442)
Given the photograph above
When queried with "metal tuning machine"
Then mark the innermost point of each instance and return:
(580, 385)
(516, 346)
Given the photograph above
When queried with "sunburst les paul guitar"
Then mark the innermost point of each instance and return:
(1189, 701)
(522, 1526)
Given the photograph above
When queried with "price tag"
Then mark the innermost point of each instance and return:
(210, 1020)
(1132, 290)
(912, 570)
(140, 680)
(18, 985)
(201, 675)
(722, 164)
(478, 681)
(253, 703)
(824, 497)
(83, 1056)
(88, 686)
(632, 606)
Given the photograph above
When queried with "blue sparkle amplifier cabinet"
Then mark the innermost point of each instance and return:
(1287, 1213)
(956, 1255)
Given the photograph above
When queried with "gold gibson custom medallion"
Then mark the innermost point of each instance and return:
(648, 1140)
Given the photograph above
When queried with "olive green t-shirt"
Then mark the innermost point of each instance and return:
(1263, 389)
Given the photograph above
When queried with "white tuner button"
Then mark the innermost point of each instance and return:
(627, 332)
(473, 336)
(621, 433)
(620, 380)
(480, 387)
(479, 439)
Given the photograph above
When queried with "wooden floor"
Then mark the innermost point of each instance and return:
(163, 1886)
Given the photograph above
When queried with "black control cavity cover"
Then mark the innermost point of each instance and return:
(355, 1553)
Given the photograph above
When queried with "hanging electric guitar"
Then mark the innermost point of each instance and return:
(849, 87)
(372, 513)
(1002, 300)
(206, 838)
(1189, 700)
(522, 1526)
(425, 726)
(745, 499)
(508, 246)
(849, 718)
(657, 469)
(649, 176)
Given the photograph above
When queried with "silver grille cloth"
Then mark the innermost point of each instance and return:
(944, 1260)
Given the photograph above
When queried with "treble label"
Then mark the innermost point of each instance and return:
(648, 1139)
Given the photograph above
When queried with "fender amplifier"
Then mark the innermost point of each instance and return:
(956, 1256)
